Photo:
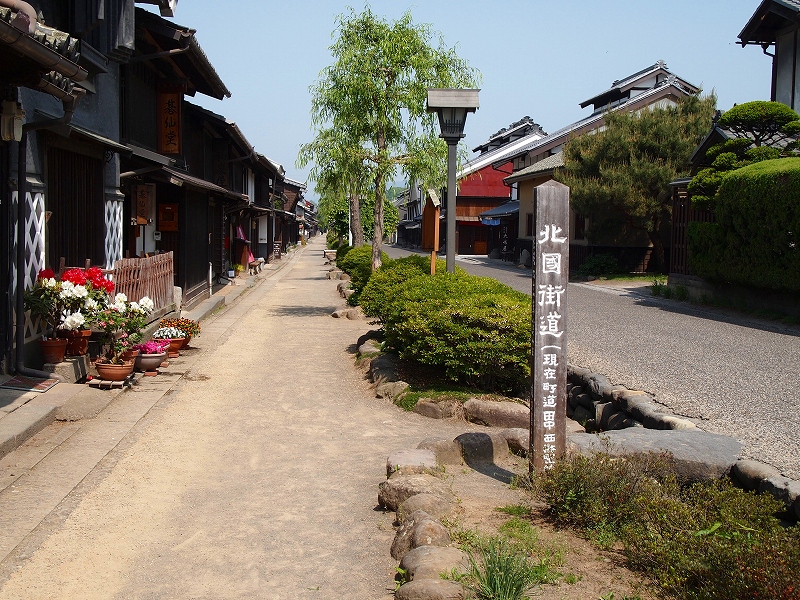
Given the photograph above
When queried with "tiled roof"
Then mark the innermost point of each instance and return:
(543, 166)
(562, 135)
(504, 154)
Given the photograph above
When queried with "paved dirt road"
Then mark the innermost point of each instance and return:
(256, 478)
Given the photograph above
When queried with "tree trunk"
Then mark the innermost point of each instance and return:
(377, 238)
(356, 229)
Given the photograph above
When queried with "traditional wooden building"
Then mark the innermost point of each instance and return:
(535, 163)
(481, 187)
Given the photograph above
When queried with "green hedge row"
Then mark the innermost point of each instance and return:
(357, 263)
(475, 328)
(755, 240)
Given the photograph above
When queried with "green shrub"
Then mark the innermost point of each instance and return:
(475, 328)
(716, 541)
(599, 265)
(358, 264)
(755, 240)
(342, 251)
(598, 492)
(703, 541)
(386, 284)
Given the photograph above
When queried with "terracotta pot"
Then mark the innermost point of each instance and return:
(53, 350)
(173, 350)
(111, 372)
(149, 362)
(186, 341)
(77, 341)
(129, 355)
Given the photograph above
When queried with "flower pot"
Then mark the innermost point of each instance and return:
(111, 372)
(149, 362)
(77, 341)
(186, 341)
(173, 350)
(129, 355)
(53, 350)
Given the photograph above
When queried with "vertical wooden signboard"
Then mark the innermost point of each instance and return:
(549, 330)
(169, 121)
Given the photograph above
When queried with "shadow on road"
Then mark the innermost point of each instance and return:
(719, 315)
(304, 311)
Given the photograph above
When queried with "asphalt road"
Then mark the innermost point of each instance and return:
(730, 373)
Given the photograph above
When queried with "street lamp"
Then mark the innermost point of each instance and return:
(452, 106)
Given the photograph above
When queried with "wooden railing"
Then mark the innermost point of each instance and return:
(152, 276)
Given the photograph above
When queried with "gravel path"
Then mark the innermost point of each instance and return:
(735, 375)
(256, 478)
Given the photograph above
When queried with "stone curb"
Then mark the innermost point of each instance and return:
(602, 406)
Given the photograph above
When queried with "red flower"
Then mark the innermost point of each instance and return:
(46, 274)
(108, 285)
(74, 276)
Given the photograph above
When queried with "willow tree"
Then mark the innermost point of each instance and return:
(619, 176)
(371, 100)
(338, 169)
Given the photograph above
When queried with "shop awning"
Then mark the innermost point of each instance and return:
(505, 210)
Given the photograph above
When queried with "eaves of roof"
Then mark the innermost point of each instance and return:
(542, 167)
(193, 63)
(47, 48)
(770, 17)
(497, 156)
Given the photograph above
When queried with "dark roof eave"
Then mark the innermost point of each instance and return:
(788, 13)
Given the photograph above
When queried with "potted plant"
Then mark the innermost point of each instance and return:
(45, 302)
(188, 326)
(237, 268)
(175, 337)
(151, 354)
(83, 293)
(118, 323)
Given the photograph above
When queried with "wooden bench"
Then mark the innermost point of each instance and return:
(256, 265)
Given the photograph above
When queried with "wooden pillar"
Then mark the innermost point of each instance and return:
(549, 327)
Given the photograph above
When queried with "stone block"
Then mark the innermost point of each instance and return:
(399, 487)
(750, 473)
(410, 461)
(448, 452)
(428, 562)
(698, 455)
(479, 447)
(497, 414)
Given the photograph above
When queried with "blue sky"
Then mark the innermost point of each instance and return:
(537, 58)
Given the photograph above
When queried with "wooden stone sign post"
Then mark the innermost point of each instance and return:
(549, 328)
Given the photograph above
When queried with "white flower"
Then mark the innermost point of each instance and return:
(133, 307)
(119, 306)
(120, 298)
(91, 304)
(51, 283)
(146, 304)
(80, 291)
(73, 321)
(66, 286)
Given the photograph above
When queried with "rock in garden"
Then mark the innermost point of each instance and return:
(370, 347)
(419, 529)
(430, 589)
(434, 505)
(479, 447)
(699, 455)
(518, 439)
(390, 389)
(355, 314)
(383, 368)
(429, 562)
(410, 461)
(750, 473)
(429, 408)
(448, 452)
(784, 489)
(399, 487)
(497, 414)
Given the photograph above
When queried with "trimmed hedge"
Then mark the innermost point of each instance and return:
(477, 330)
(755, 239)
(358, 264)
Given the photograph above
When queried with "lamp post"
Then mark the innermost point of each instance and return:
(452, 106)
